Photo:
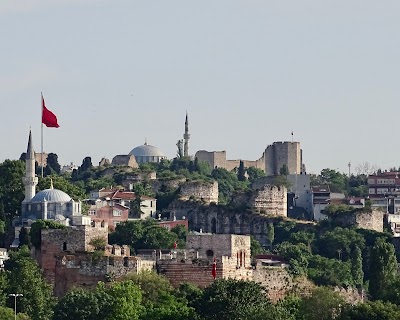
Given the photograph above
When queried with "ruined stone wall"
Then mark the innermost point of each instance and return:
(200, 190)
(372, 220)
(172, 184)
(270, 200)
(125, 160)
(276, 280)
(222, 220)
(84, 270)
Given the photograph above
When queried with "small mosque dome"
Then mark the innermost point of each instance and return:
(52, 195)
(147, 153)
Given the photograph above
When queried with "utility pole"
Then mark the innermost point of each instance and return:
(15, 295)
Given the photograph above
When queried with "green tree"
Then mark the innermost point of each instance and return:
(11, 188)
(383, 268)
(143, 235)
(306, 237)
(255, 247)
(159, 301)
(74, 190)
(232, 299)
(296, 254)
(118, 301)
(325, 271)
(52, 162)
(86, 165)
(24, 276)
(24, 238)
(372, 310)
(241, 174)
(284, 171)
(323, 304)
(8, 313)
(78, 304)
(181, 232)
(255, 173)
(339, 242)
(124, 300)
(357, 267)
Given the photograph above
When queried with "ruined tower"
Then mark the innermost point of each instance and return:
(186, 137)
(30, 180)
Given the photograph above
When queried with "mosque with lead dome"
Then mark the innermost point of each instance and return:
(48, 204)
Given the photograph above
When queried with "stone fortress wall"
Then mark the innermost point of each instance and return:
(271, 200)
(273, 158)
(206, 192)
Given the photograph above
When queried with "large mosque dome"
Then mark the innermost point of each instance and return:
(147, 153)
(51, 195)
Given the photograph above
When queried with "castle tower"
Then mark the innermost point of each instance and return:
(30, 180)
(186, 137)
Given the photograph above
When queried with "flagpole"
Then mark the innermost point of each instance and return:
(41, 120)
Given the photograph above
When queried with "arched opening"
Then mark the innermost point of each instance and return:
(102, 224)
(113, 250)
(213, 225)
(210, 253)
(126, 262)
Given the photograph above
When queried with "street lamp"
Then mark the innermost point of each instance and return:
(15, 295)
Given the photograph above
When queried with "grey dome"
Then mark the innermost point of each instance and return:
(53, 195)
(146, 150)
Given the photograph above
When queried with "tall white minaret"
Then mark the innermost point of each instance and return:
(30, 180)
(186, 137)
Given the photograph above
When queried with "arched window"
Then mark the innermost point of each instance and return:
(244, 258)
(102, 224)
(241, 258)
(113, 250)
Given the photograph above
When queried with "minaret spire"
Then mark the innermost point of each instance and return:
(186, 137)
(30, 180)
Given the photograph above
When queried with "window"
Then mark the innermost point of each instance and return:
(92, 212)
(64, 246)
(210, 253)
(117, 213)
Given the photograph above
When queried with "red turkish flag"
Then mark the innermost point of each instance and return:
(49, 119)
(214, 269)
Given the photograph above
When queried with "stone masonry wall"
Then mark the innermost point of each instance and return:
(68, 240)
(219, 245)
(283, 153)
(372, 220)
(270, 200)
(276, 280)
(200, 190)
(232, 164)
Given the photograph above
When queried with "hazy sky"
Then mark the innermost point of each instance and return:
(248, 72)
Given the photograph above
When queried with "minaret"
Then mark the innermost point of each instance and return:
(30, 180)
(186, 137)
